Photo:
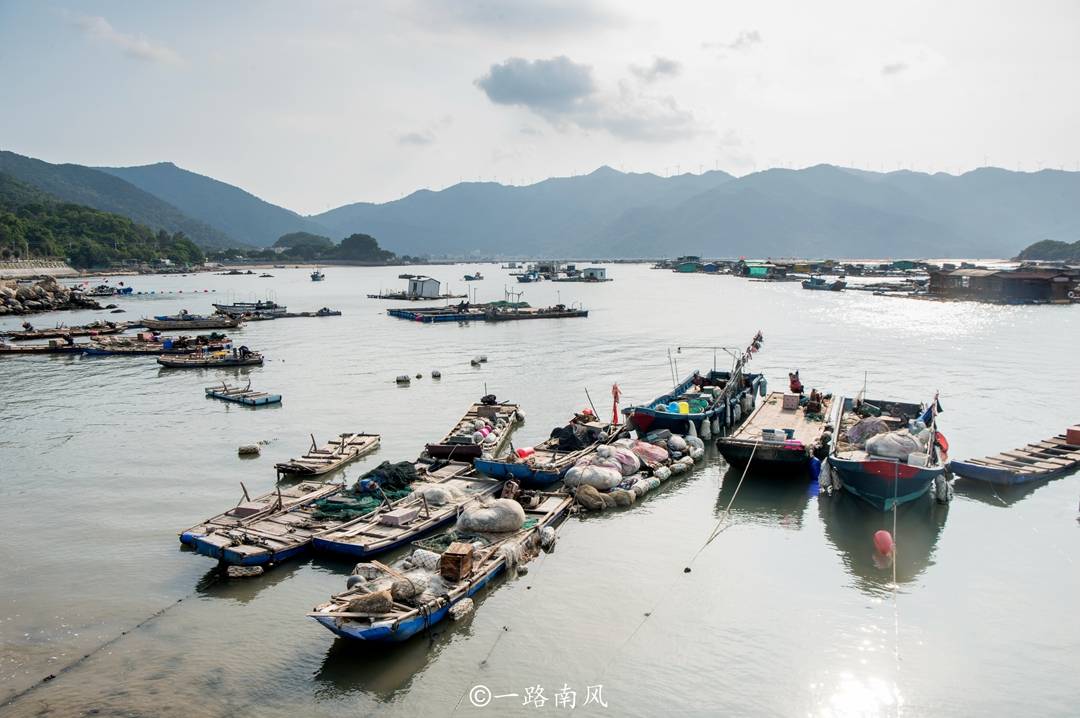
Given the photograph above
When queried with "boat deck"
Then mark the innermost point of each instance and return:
(771, 414)
(1049, 457)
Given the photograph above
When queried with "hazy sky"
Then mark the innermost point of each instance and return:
(315, 104)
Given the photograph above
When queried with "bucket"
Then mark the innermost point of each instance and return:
(684, 407)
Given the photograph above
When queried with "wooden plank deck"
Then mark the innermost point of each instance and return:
(770, 414)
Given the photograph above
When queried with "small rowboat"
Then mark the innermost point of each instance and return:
(249, 511)
(1034, 462)
(547, 463)
(403, 521)
(199, 360)
(333, 455)
(284, 532)
(53, 347)
(460, 445)
(246, 396)
(404, 620)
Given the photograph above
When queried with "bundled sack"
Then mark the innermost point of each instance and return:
(495, 516)
(436, 494)
(589, 497)
(649, 453)
(600, 477)
(867, 428)
(894, 445)
(609, 462)
(378, 602)
(628, 461)
(676, 443)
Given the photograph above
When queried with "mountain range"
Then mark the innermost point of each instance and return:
(820, 211)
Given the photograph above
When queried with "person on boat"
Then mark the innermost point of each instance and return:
(28, 326)
(795, 383)
(244, 352)
(813, 405)
(699, 380)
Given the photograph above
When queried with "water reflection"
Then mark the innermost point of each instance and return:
(216, 584)
(1003, 496)
(775, 503)
(850, 525)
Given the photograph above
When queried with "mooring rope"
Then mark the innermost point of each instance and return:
(717, 530)
(79, 661)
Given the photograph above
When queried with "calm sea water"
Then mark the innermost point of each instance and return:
(103, 460)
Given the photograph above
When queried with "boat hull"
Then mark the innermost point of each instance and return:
(1002, 476)
(233, 557)
(523, 474)
(767, 457)
(458, 452)
(883, 483)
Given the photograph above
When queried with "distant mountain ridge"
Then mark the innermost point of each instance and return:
(820, 211)
(239, 214)
(824, 211)
(89, 187)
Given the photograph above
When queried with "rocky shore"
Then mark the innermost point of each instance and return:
(44, 296)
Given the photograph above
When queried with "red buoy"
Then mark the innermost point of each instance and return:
(883, 542)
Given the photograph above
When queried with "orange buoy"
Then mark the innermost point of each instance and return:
(883, 542)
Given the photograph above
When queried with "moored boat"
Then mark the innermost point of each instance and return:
(317, 276)
(151, 344)
(484, 430)
(1033, 462)
(545, 463)
(430, 507)
(185, 320)
(333, 455)
(886, 471)
(821, 284)
(781, 435)
(246, 395)
(86, 330)
(205, 360)
(494, 554)
(262, 308)
(721, 398)
(286, 532)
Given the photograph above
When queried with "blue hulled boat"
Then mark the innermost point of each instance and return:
(406, 620)
(720, 397)
(545, 464)
(1038, 461)
(886, 482)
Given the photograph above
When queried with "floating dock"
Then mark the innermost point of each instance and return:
(485, 313)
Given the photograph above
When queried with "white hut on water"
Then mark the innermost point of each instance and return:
(423, 287)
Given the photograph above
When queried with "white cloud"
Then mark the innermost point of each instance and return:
(565, 93)
(745, 40)
(660, 67)
(134, 46)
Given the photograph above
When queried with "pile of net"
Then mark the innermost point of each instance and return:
(898, 444)
(573, 437)
(492, 516)
(388, 476)
(437, 494)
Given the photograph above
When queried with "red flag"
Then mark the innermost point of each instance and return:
(616, 394)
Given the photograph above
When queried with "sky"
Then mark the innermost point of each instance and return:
(317, 104)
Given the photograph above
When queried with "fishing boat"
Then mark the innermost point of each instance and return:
(55, 346)
(474, 277)
(1038, 461)
(398, 523)
(283, 532)
(488, 419)
(246, 395)
(249, 511)
(721, 398)
(528, 277)
(820, 284)
(151, 344)
(545, 463)
(185, 320)
(780, 436)
(86, 330)
(333, 455)
(885, 481)
(317, 276)
(405, 620)
(105, 290)
(239, 309)
(205, 360)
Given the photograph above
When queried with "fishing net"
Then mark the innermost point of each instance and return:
(392, 476)
(348, 505)
(440, 542)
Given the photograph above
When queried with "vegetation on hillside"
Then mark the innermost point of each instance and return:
(102, 191)
(34, 225)
(305, 247)
(1052, 250)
